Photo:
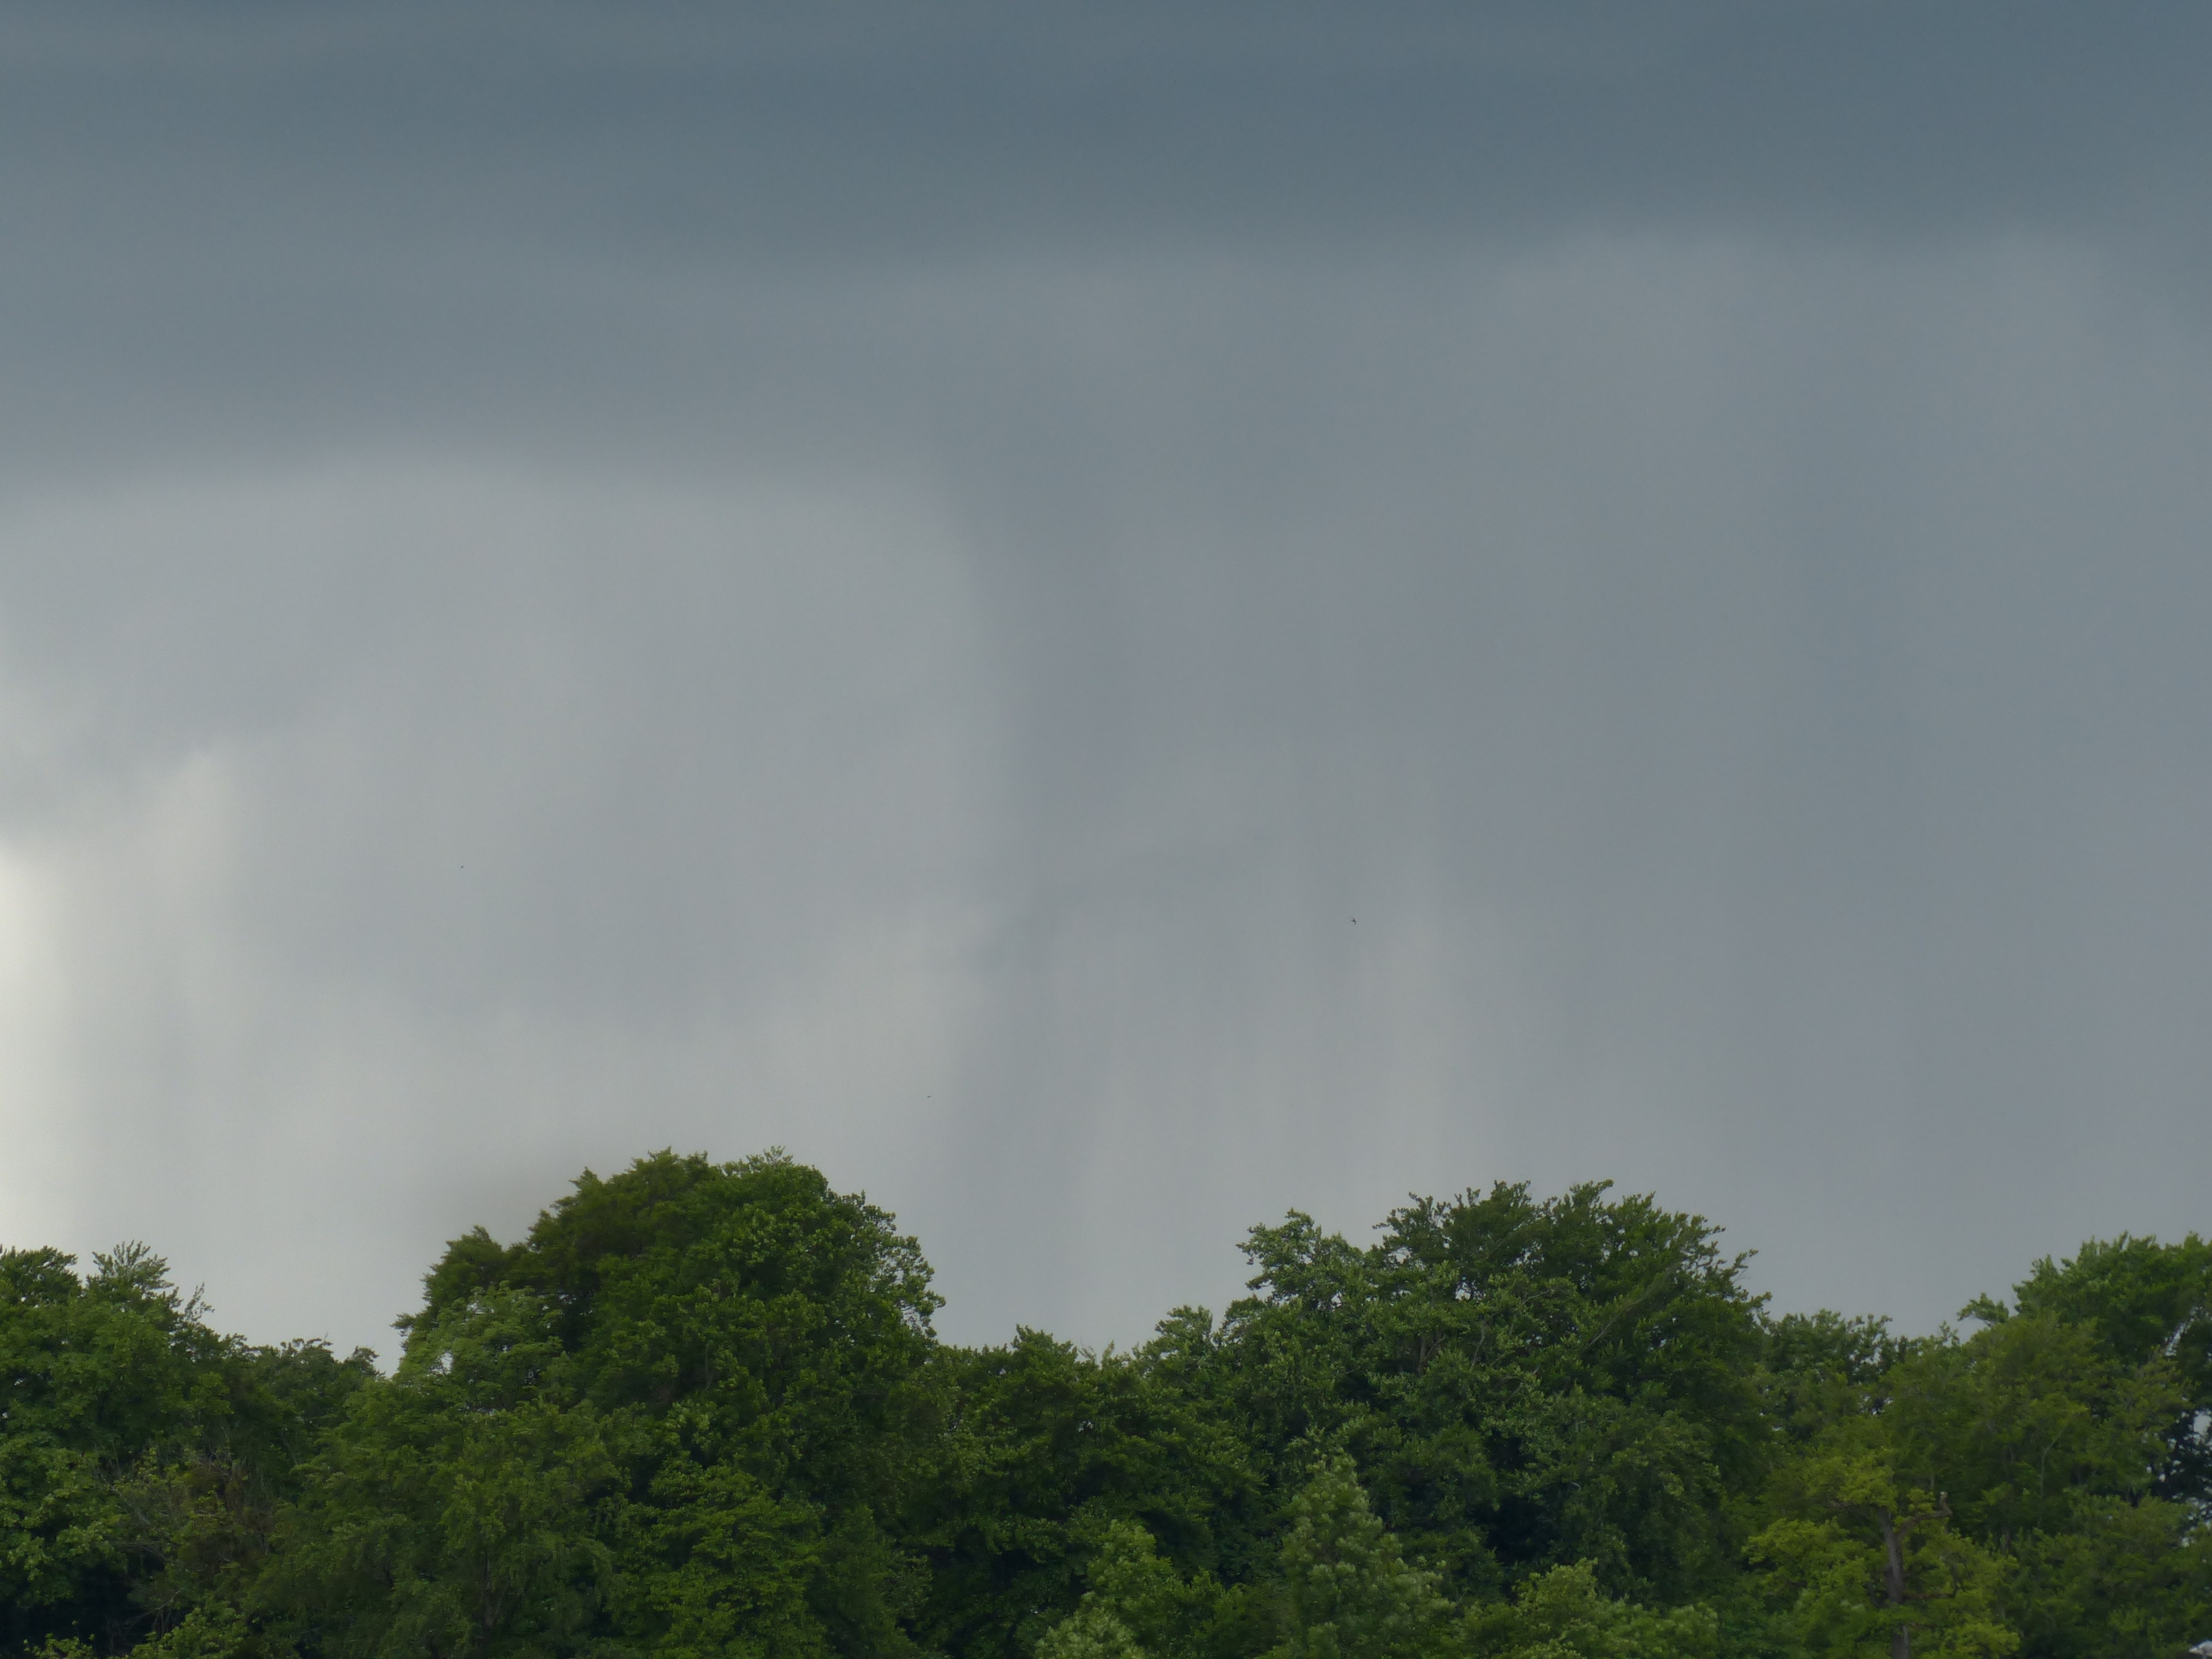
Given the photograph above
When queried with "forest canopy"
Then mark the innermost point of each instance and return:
(701, 1410)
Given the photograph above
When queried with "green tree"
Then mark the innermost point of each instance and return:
(2051, 1442)
(699, 1413)
(1523, 1382)
(1047, 1449)
(1562, 1614)
(144, 1457)
(460, 1510)
(1136, 1607)
(1350, 1593)
(2142, 1301)
(1865, 1563)
(682, 1416)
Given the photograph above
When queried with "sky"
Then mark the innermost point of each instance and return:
(1104, 621)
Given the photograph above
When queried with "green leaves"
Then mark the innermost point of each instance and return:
(1563, 1614)
(1138, 1606)
(1863, 1563)
(143, 1459)
(1523, 1383)
(700, 1412)
(669, 1421)
(1350, 1592)
(1045, 1448)
(717, 1564)
(458, 1509)
(2142, 1303)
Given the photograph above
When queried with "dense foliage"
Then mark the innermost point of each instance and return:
(700, 1410)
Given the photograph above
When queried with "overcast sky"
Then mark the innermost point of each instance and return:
(1105, 621)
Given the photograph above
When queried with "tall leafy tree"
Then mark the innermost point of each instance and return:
(2142, 1301)
(1984, 1494)
(1138, 1606)
(700, 1410)
(1864, 1564)
(1523, 1382)
(143, 1456)
(1562, 1614)
(461, 1511)
(680, 1417)
(1350, 1593)
(1048, 1448)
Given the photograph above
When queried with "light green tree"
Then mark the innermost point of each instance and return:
(1563, 1614)
(1350, 1593)
(1137, 1607)
(1868, 1565)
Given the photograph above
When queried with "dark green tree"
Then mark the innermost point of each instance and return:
(682, 1416)
(1048, 1447)
(1522, 1384)
(699, 1410)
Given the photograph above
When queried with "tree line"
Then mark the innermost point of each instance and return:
(700, 1410)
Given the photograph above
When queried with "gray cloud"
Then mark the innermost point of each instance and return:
(565, 588)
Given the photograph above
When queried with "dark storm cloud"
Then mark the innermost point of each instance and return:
(795, 133)
(432, 216)
(570, 581)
